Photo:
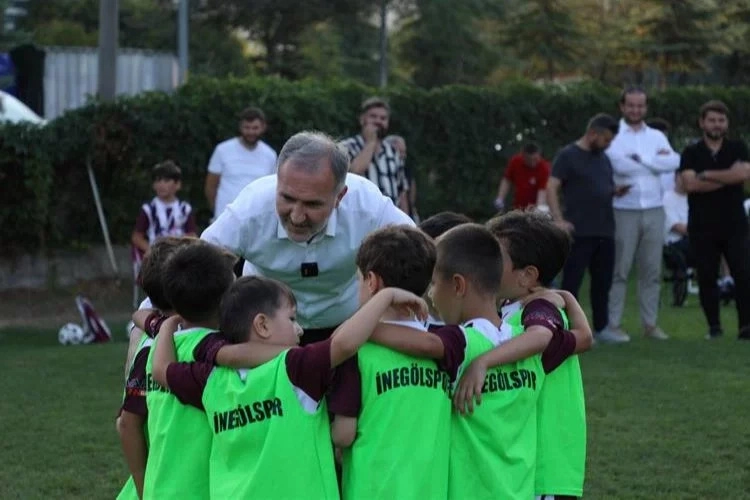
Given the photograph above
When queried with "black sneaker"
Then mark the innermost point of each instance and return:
(744, 333)
(714, 333)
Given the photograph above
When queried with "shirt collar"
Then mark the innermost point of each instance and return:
(329, 230)
(627, 128)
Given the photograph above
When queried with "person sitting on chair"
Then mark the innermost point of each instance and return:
(676, 242)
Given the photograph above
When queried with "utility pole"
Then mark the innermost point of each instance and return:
(108, 34)
(183, 26)
(383, 43)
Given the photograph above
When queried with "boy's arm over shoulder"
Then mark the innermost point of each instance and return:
(208, 348)
(454, 348)
(135, 385)
(542, 313)
(345, 397)
(187, 381)
(309, 369)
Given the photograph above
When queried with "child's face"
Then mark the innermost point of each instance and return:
(442, 294)
(284, 327)
(166, 189)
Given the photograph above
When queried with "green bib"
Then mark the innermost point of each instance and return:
(561, 427)
(129, 492)
(179, 441)
(403, 430)
(270, 440)
(493, 450)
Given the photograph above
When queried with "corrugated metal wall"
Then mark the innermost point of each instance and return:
(70, 75)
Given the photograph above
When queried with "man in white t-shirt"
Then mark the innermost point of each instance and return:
(304, 225)
(237, 162)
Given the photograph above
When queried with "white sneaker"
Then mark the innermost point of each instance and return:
(612, 336)
(656, 333)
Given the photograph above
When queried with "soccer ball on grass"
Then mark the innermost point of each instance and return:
(70, 334)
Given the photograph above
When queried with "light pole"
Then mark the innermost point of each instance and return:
(108, 33)
(183, 26)
(383, 43)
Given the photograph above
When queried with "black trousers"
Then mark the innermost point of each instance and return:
(708, 246)
(598, 256)
(312, 335)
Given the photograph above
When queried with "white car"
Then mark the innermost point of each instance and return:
(14, 111)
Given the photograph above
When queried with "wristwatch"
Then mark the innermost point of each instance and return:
(701, 176)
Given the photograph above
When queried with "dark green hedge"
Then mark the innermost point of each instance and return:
(459, 140)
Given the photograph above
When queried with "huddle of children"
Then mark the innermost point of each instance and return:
(224, 404)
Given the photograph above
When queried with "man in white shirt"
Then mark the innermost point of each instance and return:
(639, 155)
(237, 162)
(304, 225)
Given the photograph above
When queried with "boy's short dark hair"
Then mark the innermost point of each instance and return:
(195, 279)
(251, 114)
(473, 252)
(530, 148)
(402, 256)
(245, 299)
(602, 122)
(441, 222)
(374, 102)
(531, 238)
(167, 170)
(150, 276)
(716, 106)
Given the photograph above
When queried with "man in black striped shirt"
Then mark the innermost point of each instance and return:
(374, 158)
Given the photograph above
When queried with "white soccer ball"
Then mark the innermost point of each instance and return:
(70, 334)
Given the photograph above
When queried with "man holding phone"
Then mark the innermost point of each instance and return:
(582, 173)
(375, 158)
(640, 155)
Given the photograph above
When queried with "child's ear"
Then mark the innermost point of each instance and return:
(374, 282)
(261, 326)
(529, 277)
(459, 285)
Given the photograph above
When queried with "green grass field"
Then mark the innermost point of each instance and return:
(666, 419)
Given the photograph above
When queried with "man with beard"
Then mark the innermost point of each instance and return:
(713, 172)
(304, 225)
(237, 162)
(640, 155)
(375, 158)
(584, 174)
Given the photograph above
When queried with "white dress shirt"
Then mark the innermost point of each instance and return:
(250, 227)
(675, 212)
(644, 177)
(238, 166)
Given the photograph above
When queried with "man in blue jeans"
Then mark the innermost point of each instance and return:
(583, 173)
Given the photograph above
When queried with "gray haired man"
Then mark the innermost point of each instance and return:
(303, 226)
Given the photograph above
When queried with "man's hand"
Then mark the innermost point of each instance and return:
(370, 132)
(622, 190)
(470, 387)
(568, 226)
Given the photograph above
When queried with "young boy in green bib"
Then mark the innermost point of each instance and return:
(534, 251)
(392, 411)
(260, 417)
(492, 450)
(195, 280)
(131, 421)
